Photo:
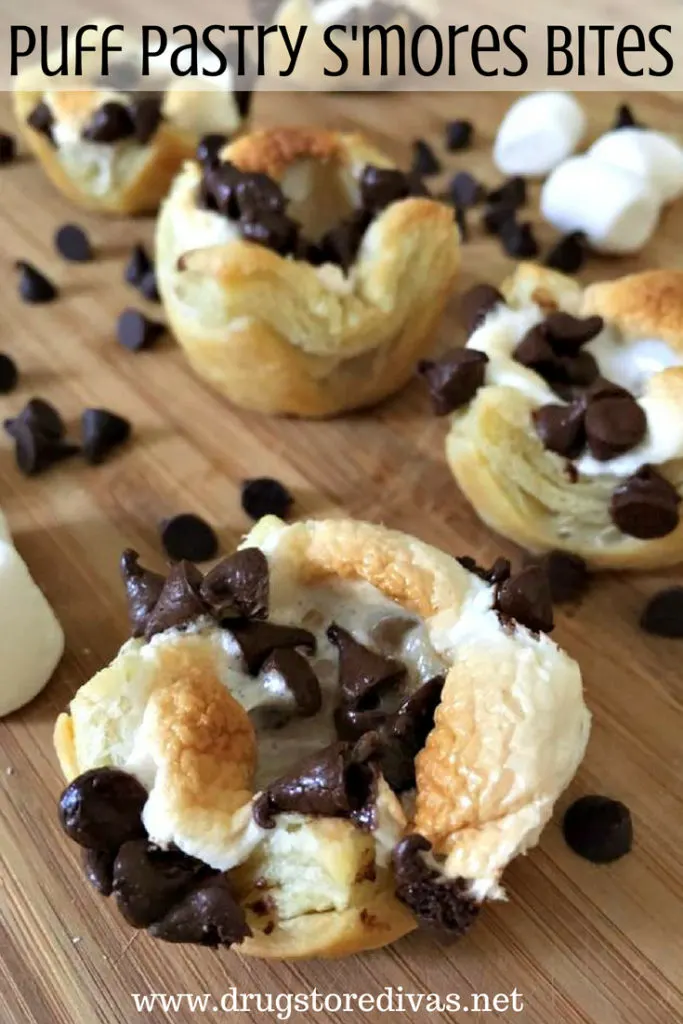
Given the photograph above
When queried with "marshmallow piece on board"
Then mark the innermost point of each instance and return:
(616, 209)
(538, 132)
(654, 157)
(31, 639)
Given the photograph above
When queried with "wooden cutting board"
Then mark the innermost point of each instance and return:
(578, 943)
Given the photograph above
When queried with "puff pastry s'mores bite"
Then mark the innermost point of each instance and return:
(566, 414)
(338, 734)
(302, 273)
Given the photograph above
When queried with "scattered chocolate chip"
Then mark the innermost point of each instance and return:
(138, 266)
(98, 866)
(147, 116)
(663, 614)
(210, 146)
(148, 881)
(362, 673)
(42, 120)
(40, 416)
(9, 375)
(381, 186)
(512, 193)
(102, 431)
(136, 332)
(646, 505)
(143, 590)
(625, 118)
(477, 303)
(257, 640)
(148, 286)
(298, 677)
(598, 828)
(8, 148)
(535, 351)
(238, 587)
(405, 733)
(73, 244)
(219, 188)
(101, 809)
(454, 379)
(561, 428)
(466, 190)
(497, 216)
(459, 135)
(614, 426)
(499, 571)
(34, 287)
(439, 904)
(567, 333)
(109, 123)
(568, 255)
(525, 598)
(264, 496)
(581, 369)
(206, 916)
(518, 240)
(568, 575)
(35, 452)
(179, 603)
(425, 162)
(188, 536)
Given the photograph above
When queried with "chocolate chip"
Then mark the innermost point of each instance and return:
(341, 243)
(663, 613)
(499, 571)
(535, 352)
(362, 672)
(439, 904)
(567, 333)
(34, 287)
(102, 431)
(614, 426)
(403, 735)
(40, 416)
(179, 603)
(465, 189)
(148, 881)
(257, 640)
(568, 255)
(477, 303)
(148, 286)
(136, 332)
(381, 186)
(298, 677)
(35, 452)
(264, 496)
(581, 369)
(332, 783)
(109, 123)
(561, 428)
(206, 916)
(188, 536)
(42, 120)
(525, 598)
(602, 388)
(9, 375)
(598, 828)
(139, 264)
(143, 590)
(147, 116)
(646, 505)
(210, 146)
(459, 135)
(101, 809)
(455, 379)
(425, 162)
(512, 193)
(73, 244)
(568, 575)
(98, 866)
(238, 587)
(273, 230)
(8, 148)
(259, 193)
(219, 188)
(497, 216)
(625, 118)
(518, 240)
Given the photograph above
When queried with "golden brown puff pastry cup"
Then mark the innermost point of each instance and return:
(128, 175)
(544, 500)
(180, 714)
(279, 335)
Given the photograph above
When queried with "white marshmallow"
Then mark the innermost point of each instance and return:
(538, 132)
(656, 158)
(616, 209)
(31, 639)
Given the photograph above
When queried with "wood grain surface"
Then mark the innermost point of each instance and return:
(580, 943)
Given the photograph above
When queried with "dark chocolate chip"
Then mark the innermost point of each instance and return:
(42, 120)
(477, 303)
(568, 575)
(148, 286)
(561, 428)
(238, 587)
(569, 254)
(351, 724)
(581, 369)
(139, 264)
(147, 116)
(102, 431)
(219, 188)
(271, 229)
(9, 375)
(8, 148)
(257, 640)
(497, 216)
(663, 613)
(264, 496)
(109, 123)
(425, 162)
(298, 677)
(258, 193)
(136, 332)
(614, 426)
(101, 809)
(40, 416)
(210, 146)
(179, 602)
(646, 505)
(35, 452)
(362, 673)
(499, 571)
(466, 190)
(525, 598)
(405, 733)
(143, 590)
(454, 379)
(149, 881)
(73, 244)
(439, 904)
(188, 536)
(535, 352)
(459, 135)
(512, 193)
(341, 243)
(625, 118)
(208, 915)
(98, 866)
(567, 333)
(518, 240)
(598, 828)
(34, 287)
(381, 186)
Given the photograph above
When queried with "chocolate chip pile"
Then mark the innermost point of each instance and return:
(138, 119)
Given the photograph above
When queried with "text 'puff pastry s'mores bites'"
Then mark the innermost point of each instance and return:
(336, 735)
